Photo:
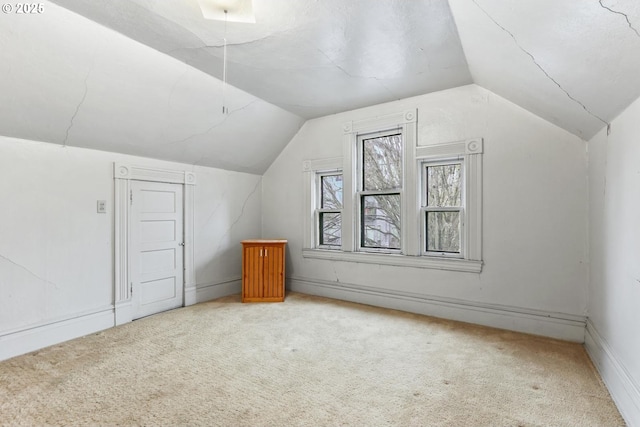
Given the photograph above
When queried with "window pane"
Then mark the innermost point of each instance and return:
(443, 231)
(330, 229)
(382, 163)
(444, 186)
(331, 192)
(381, 221)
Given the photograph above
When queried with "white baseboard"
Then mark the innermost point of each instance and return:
(34, 338)
(563, 326)
(16, 342)
(623, 389)
(190, 295)
(207, 292)
(123, 312)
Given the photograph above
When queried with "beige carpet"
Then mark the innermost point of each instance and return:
(307, 361)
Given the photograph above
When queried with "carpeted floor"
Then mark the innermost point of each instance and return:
(308, 361)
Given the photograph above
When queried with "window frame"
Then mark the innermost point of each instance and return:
(415, 154)
(320, 210)
(311, 170)
(361, 193)
(424, 208)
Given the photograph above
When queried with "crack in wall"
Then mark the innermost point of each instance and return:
(75, 113)
(22, 267)
(537, 64)
(222, 198)
(239, 216)
(620, 13)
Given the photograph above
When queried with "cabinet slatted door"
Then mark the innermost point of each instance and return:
(273, 271)
(252, 261)
(263, 266)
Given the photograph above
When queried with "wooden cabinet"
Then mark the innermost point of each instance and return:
(263, 270)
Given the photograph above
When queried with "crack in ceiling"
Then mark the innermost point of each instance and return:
(537, 64)
(158, 79)
(278, 63)
(213, 126)
(215, 46)
(626, 17)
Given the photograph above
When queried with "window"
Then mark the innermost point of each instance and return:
(442, 208)
(390, 200)
(329, 212)
(324, 201)
(380, 186)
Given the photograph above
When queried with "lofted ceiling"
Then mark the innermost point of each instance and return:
(143, 76)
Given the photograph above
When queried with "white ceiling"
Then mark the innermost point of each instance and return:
(312, 58)
(572, 62)
(152, 87)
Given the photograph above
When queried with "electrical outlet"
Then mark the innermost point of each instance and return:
(102, 206)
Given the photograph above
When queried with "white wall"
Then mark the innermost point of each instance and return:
(613, 338)
(56, 251)
(535, 218)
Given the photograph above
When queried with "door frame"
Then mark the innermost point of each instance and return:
(123, 174)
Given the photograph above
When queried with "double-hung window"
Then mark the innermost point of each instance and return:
(442, 208)
(329, 212)
(379, 191)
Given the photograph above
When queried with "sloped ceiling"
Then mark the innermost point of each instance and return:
(66, 80)
(310, 57)
(143, 76)
(574, 63)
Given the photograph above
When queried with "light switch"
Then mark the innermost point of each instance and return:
(102, 206)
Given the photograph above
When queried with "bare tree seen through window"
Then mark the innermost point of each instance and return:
(380, 196)
(330, 215)
(380, 200)
(444, 201)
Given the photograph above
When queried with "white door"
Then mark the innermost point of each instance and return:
(156, 247)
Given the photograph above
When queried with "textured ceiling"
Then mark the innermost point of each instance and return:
(312, 58)
(143, 76)
(573, 63)
(66, 80)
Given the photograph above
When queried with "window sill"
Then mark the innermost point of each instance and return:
(452, 264)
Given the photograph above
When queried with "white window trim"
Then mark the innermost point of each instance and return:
(453, 264)
(470, 151)
(405, 122)
(311, 169)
